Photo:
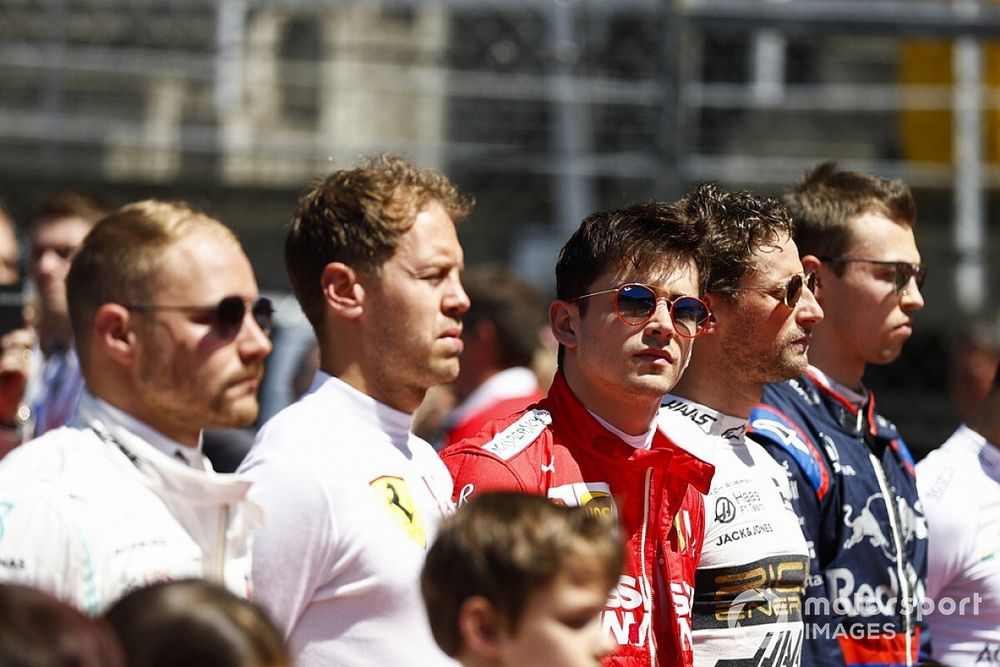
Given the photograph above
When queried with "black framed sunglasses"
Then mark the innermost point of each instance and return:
(635, 305)
(902, 271)
(788, 295)
(227, 315)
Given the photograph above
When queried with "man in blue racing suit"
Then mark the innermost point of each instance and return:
(852, 477)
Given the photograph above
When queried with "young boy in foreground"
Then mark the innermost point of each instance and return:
(518, 580)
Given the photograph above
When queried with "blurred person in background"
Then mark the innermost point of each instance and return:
(171, 335)
(56, 229)
(853, 481)
(15, 342)
(500, 333)
(39, 630)
(763, 313)
(960, 488)
(10, 256)
(625, 317)
(972, 363)
(194, 623)
(350, 493)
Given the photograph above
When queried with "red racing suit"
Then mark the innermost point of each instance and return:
(557, 449)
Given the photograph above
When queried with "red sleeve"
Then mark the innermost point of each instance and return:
(694, 502)
(477, 472)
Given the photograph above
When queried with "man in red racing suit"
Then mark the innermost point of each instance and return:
(593, 442)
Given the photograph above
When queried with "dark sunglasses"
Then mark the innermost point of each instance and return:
(635, 304)
(902, 271)
(227, 315)
(789, 295)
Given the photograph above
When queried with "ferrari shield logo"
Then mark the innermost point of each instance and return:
(395, 495)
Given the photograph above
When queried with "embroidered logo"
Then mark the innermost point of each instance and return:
(595, 497)
(398, 501)
(519, 435)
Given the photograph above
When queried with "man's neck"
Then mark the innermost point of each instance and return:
(630, 413)
(838, 366)
(54, 333)
(986, 420)
(719, 391)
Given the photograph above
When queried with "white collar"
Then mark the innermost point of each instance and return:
(641, 441)
(709, 421)
(94, 408)
(395, 423)
(856, 397)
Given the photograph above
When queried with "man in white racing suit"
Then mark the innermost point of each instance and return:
(750, 582)
(171, 336)
(959, 484)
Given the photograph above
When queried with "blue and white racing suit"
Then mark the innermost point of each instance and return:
(853, 487)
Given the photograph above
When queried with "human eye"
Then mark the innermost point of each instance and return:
(581, 619)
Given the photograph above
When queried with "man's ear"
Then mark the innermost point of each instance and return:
(112, 333)
(341, 290)
(564, 322)
(812, 264)
(481, 627)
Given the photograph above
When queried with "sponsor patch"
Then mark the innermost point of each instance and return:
(398, 502)
(508, 442)
(595, 497)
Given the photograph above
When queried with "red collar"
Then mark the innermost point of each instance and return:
(577, 429)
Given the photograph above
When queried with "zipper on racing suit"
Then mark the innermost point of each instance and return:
(897, 540)
(906, 594)
(648, 597)
(219, 566)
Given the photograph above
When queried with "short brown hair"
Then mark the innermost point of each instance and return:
(506, 546)
(739, 224)
(121, 255)
(195, 622)
(39, 630)
(823, 204)
(356, 216)
(88, 206)
(638, 236)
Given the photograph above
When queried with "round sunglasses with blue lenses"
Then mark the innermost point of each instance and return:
(635, 305)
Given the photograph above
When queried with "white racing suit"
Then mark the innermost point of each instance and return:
(90, 511)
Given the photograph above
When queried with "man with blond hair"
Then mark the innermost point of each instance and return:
(349, 492)
(172, 336)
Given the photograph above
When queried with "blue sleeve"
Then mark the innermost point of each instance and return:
(809, 482)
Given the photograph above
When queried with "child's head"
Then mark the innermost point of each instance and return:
(518, 580)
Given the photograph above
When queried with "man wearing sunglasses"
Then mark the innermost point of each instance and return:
(852, 475)
(625, 318)
(763, 313)
(353, 498)
(171, 335)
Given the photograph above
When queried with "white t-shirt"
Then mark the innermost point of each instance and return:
(352, 501)
(959, 486)
(750, 581)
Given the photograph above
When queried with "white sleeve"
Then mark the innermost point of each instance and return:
(951, 524)
(295, 551)
(41, 547)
